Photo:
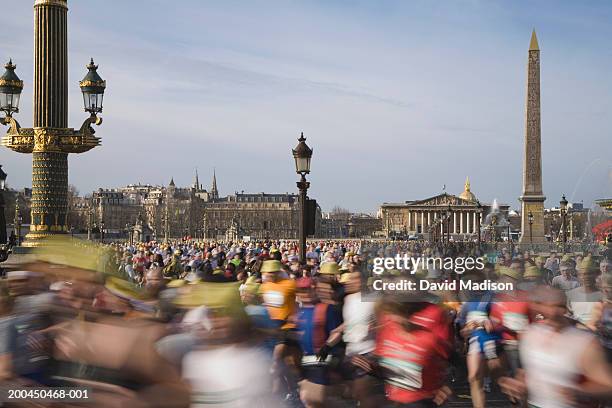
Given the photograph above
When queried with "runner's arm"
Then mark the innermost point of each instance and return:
(598, 372)
(335, 336)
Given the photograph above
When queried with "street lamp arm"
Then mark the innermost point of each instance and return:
(46, 139)
(11, 123)
(86, 128)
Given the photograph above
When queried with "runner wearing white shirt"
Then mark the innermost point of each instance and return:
(563, 366)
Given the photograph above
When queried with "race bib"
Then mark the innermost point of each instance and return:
(403, 374)
(274, 299)
(476, 316)
(515, 321)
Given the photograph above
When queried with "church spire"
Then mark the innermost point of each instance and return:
(213, 190)
(196, 181)
(467, 184)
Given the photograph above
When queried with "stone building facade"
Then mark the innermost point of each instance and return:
(422, 217)
(173, 212)
(255, 215)
(350, 225)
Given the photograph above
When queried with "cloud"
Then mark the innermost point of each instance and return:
(397, 98)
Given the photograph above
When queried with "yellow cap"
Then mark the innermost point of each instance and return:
(212, 295)
(511, 273)
(345, 277)
(397, 272)
(176, 283)
(532, 272)
(588, 264)
(123, 289)
(271, 266)
(70, 252)
(329, 268)
(251, 285)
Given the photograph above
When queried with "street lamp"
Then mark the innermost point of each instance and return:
(563, 210)
(17, 222)
(3, 236)
(302, 155)
(10, 90)
(89, 219)
(129, 232)
(49, 140)
(479, 220)
(92, 87)
(530, 221)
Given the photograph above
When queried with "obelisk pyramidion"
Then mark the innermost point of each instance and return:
(532, 200)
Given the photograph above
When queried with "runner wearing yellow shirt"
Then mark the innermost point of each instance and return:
(278, 294)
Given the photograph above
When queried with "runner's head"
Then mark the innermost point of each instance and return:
(587, 273)
(351, 281)
(551, 304)
(270, 269)
(305, 292)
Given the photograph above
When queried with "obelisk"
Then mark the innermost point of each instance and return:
(532, 200)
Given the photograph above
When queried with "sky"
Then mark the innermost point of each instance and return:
(397, 98)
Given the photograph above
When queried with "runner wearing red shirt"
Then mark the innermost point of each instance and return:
(510, 316)
(410, 356)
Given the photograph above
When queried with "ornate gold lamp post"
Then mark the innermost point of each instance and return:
(3, 237)
(50, 140)
(302, 155)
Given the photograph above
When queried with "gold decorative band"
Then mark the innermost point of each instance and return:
(59, 3)
(11, 82)
(93, 83)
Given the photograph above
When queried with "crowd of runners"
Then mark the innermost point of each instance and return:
(213, 324)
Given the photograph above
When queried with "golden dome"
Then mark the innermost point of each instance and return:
(467, 194)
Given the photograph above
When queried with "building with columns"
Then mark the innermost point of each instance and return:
(424, 217)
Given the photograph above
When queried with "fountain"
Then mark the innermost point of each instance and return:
(495, 224)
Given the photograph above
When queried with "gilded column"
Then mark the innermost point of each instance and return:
(532, 199)
(49, 162)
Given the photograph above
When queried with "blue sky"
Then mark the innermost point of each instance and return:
(397, 98)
